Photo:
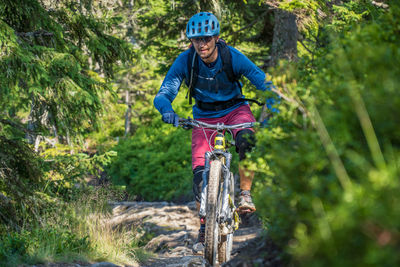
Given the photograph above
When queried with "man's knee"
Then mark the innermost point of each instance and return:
(245, 141)
(198, 182)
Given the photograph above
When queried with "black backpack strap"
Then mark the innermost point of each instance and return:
(193, 65)
(227, 67)
(193, 68)
(222, 105)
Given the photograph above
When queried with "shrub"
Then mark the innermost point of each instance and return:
(155, 163)
(327, 181)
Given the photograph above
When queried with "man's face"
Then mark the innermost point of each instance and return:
(204, 46)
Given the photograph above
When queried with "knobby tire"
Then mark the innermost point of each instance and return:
(211, 235)
(225, 244)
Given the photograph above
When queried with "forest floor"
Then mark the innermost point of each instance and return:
(170, 230)
(167, 231)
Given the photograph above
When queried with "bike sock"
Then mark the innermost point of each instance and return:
(202, 224)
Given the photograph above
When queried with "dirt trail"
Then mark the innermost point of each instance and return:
(171, 229)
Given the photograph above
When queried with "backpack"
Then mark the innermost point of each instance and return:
(193, 67)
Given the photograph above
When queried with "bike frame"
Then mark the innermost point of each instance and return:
(218, 153)
(226, 158)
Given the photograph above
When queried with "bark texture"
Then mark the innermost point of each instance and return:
(284, 43)
(128, 113)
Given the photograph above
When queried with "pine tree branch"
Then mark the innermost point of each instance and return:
(36, 34)
(251, 23)
(308, 49)
(17, 126)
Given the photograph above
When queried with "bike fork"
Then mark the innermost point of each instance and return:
(226, 173)
(225, 193)
(206, 171)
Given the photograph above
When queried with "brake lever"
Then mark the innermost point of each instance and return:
(187, 126)
(186, 123)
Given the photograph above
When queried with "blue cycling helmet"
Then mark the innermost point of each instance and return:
(202, 24)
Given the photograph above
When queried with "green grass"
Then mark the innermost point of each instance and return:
(74, 231)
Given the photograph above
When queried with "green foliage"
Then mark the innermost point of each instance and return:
(20, 177)
(329, 167)
(48, 56)
(71, 167)
(12, 246)
(155, 164)
(53, 241)
(47, 64)
(28, 182)
(70, 231)
(56, 61)
(350, 13)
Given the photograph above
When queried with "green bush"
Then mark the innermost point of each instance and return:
(12, 246)
(155, 163)
(21, 176)
(328, 181)
(41, 213)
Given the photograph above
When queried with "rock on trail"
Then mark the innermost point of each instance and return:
(172, 229)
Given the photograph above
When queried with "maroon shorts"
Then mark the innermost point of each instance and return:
(200, 145)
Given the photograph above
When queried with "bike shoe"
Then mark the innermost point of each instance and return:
(198, 247)
(246, 204)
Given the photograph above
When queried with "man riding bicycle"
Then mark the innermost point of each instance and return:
(212, 69)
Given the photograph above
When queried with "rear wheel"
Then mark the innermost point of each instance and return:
(211, 238)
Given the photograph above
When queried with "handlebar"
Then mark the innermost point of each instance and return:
(187, 123)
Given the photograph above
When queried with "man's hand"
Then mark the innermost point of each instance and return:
(270, 101)
(171, 117)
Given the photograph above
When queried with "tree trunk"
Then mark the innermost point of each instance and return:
(31, 124)
(284, 43)
(128, 113)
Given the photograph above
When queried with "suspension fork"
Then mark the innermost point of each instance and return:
(226, 174)
(225, 193)
(202, 211)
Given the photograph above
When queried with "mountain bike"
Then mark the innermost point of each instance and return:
(217, 204)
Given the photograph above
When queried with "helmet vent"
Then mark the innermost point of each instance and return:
(202, 24)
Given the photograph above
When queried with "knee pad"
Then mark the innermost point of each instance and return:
(245, 141)
(198, 182)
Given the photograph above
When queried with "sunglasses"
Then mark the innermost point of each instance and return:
(204, 39)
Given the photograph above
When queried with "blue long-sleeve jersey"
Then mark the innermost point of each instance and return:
(212, 85)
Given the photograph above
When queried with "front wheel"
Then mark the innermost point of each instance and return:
(211, 238)
(225, 244)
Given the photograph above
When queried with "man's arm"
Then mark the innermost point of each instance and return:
(244, 66)
(241, 64)
(171, 84)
